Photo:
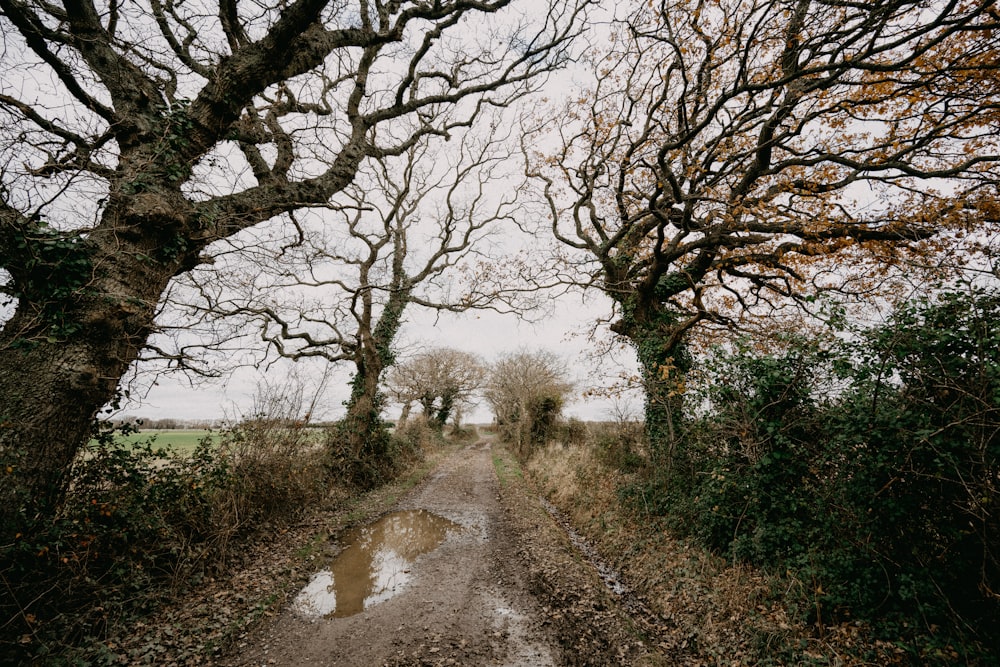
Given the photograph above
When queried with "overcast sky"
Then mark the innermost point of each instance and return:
(566, 331)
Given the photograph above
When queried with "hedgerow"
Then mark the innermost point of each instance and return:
(866, 471)
(138, 524)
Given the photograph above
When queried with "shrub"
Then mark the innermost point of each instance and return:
(136, 525)
(920, 428)
(361, 452)
(526, 391)
(463, 433)
(573, 432)
(620, 444)
(119, 539)
(868, 472)
(274, 470)
(417, 435)
(380, 455)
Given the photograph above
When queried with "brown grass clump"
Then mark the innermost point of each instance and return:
(713, 612)
(416, 437)
(274, 471)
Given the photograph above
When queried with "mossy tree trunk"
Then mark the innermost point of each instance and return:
(364, 434)
(74, 334)
(658, 334)
(664, 364)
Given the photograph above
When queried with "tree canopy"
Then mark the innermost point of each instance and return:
(527, 391)
(134, 136)
(441, 380)
(734, 156)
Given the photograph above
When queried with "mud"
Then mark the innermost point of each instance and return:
(375, 565)
(464, 602)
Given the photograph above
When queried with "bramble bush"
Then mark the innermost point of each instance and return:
(462, 433)
(116, 542)
(620, 444)
(275, 470)
(382, 454)
(866, 470)
(138, 524)
(419, 435)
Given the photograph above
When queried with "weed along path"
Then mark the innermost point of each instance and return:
(467, 569)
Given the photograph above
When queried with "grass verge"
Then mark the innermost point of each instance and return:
(591, 627)
(506, 467)
(712, 611)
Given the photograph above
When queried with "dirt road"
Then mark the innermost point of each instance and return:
(502, 587)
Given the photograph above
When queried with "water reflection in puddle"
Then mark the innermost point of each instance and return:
(375, 564)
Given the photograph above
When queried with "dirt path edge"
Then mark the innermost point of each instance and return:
(587, 619)
(201, 625)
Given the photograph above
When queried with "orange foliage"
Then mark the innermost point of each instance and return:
(738, 155)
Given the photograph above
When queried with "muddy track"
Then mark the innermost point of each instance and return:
(505, 587)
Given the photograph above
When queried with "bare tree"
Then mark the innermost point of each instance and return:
(413, 231)
(734, 157)
(133, 136)
(527, 391)
(442, 381)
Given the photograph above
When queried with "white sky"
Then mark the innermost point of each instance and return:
(565, 332)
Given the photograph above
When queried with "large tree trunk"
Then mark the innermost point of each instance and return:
(364, 412)
(447, 403)
(404, 414)
(60, 363)
(363, 431)
(52, 392)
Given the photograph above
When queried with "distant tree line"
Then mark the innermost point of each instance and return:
(165, 423)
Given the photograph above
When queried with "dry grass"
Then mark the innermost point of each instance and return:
(716, 612)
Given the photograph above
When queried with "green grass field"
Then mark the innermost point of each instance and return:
(178, 440)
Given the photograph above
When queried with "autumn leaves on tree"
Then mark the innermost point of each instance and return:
(736, 157)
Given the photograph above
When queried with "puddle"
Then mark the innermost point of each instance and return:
(374, 566)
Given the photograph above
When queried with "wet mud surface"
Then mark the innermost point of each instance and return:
(376, 564)
(441, 581)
